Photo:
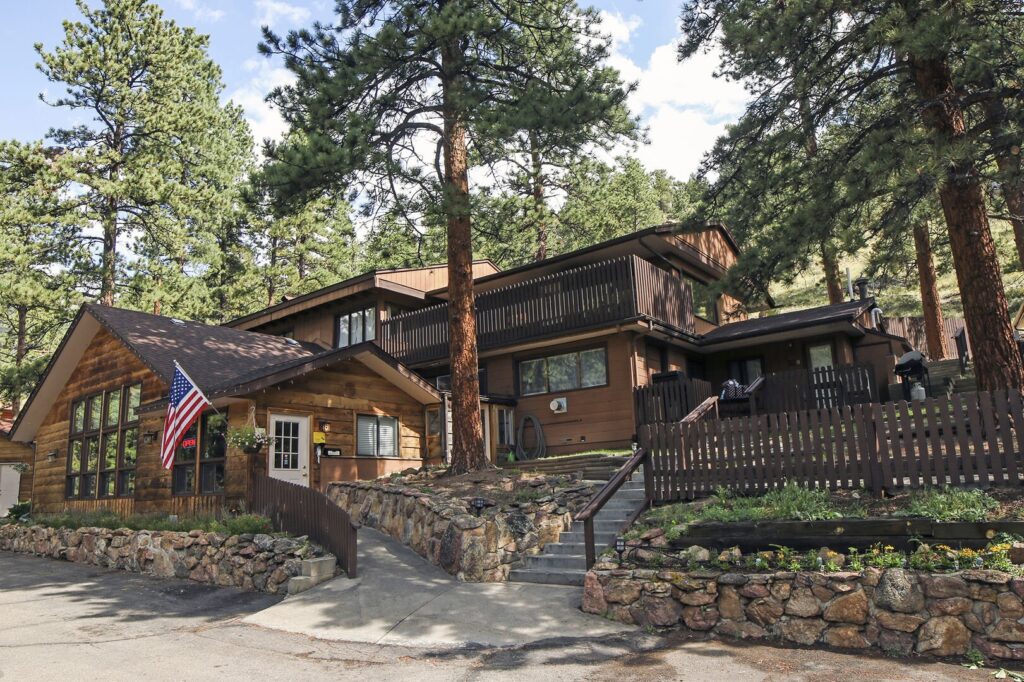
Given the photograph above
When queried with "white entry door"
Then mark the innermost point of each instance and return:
(10, 481)
(288, 456)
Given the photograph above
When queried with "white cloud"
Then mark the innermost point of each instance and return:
(264, 120)
(274, 12)
(201, 11)
(684, 105)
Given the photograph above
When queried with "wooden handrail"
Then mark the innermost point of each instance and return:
(598, 501)
(702, 410)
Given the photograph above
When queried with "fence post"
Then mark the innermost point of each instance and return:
(874, 417)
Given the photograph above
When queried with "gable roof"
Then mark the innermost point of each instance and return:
(840, 312)
(221, 360)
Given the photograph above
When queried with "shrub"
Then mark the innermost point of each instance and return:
(951, 504)
(236, 525)
(18, 510)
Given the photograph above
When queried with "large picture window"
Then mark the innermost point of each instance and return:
(376, 436)
(355, 327)
(103, 444)
(200, 457)
(564, 372)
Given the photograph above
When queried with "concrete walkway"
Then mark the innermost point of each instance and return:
(401, 599)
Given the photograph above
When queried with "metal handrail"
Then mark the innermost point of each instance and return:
(598, 501)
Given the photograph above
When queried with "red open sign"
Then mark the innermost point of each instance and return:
(188, 442)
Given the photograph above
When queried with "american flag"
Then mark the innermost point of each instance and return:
(186, 402)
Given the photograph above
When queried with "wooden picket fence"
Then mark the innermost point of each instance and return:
(969, 439)
(301, 510)
(669, 400)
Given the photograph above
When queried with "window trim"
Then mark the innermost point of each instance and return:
(398, 436)
(101, 434)
(579, 368)
(197, 462)
(348, 314)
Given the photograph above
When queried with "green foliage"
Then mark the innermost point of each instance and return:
(790, 502)
(235, 525)
(950, 504)
(18, 509)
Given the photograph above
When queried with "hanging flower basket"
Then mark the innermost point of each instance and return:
(249, 439)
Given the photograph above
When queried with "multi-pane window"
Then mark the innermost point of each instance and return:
(355, 327)
(286, 444)
(103, 444)
(746, 371)
(563, 372)
(705, 301)
(506, 432)
(200, 457)
(376, 436)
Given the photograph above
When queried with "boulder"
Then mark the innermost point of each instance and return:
(800, 630)
(740, 629)
(943, 586)
(1007, 630)
(803, 603)
(659, 612)
(898, 590)
(952, 606)
(904, 622)
(730, 606)
(895, 643)
(1010, 605)
(593, 594)
(700, 618)
(943, 636)
(764, 612)
(848, 608)
(846, 637)
(695, 554)
(622, 592)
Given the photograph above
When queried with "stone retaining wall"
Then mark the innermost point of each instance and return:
(443, 531)
(252, 562)
(896, 610)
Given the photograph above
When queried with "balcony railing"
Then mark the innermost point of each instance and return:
(621, 289)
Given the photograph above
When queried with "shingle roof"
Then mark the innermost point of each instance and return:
(213, 356)
(840, 312)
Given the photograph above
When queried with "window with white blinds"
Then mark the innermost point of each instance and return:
(376, 436)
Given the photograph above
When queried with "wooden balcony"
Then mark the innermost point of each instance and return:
(613, 291)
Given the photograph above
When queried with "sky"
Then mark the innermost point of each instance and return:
(683, 106)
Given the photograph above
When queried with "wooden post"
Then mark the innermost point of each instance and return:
(588, 539)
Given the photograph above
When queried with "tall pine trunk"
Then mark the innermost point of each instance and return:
(108, 273)
(829, 262)
(833, 278)
(1007, 153)
(997, 361)
(930, 302)
(537, 190)
(467, 428)
(20, 352)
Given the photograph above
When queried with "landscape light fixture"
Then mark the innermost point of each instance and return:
(620, 547)
(478, 504)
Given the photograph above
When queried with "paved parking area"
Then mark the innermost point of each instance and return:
(65, 621)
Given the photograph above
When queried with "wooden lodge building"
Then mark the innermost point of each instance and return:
(350, 381)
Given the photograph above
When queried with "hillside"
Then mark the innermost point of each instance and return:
(808, 289)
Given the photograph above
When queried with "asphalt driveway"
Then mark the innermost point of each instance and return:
(70, 622)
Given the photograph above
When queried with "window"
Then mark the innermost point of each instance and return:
(745, 371)
(355, 327)
(376, 436)
(564, 372)
(200, 457)
(103, 445)
(433, 421)
(820, 355)
(506, 432)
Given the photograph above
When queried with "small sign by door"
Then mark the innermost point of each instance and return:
(288, 454)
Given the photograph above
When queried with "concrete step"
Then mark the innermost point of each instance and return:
(564, 547)
(547, 577)
(601, 538)
(556, 561)
(319, 569)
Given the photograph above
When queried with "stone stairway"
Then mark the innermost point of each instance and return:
(564, 562)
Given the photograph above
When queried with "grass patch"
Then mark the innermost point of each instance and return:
(235, 525)
(789, 503)
(950, 504)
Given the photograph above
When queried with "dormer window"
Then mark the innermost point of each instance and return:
(355, 327)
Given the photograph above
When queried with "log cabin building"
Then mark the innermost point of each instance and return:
(350, 381)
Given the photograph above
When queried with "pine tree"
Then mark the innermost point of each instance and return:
(37, 267)
(395, 97)
(158, 157)
(901, 80)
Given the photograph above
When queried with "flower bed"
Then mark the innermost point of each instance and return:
(433, 515)
(249, 561)
(896, 610)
